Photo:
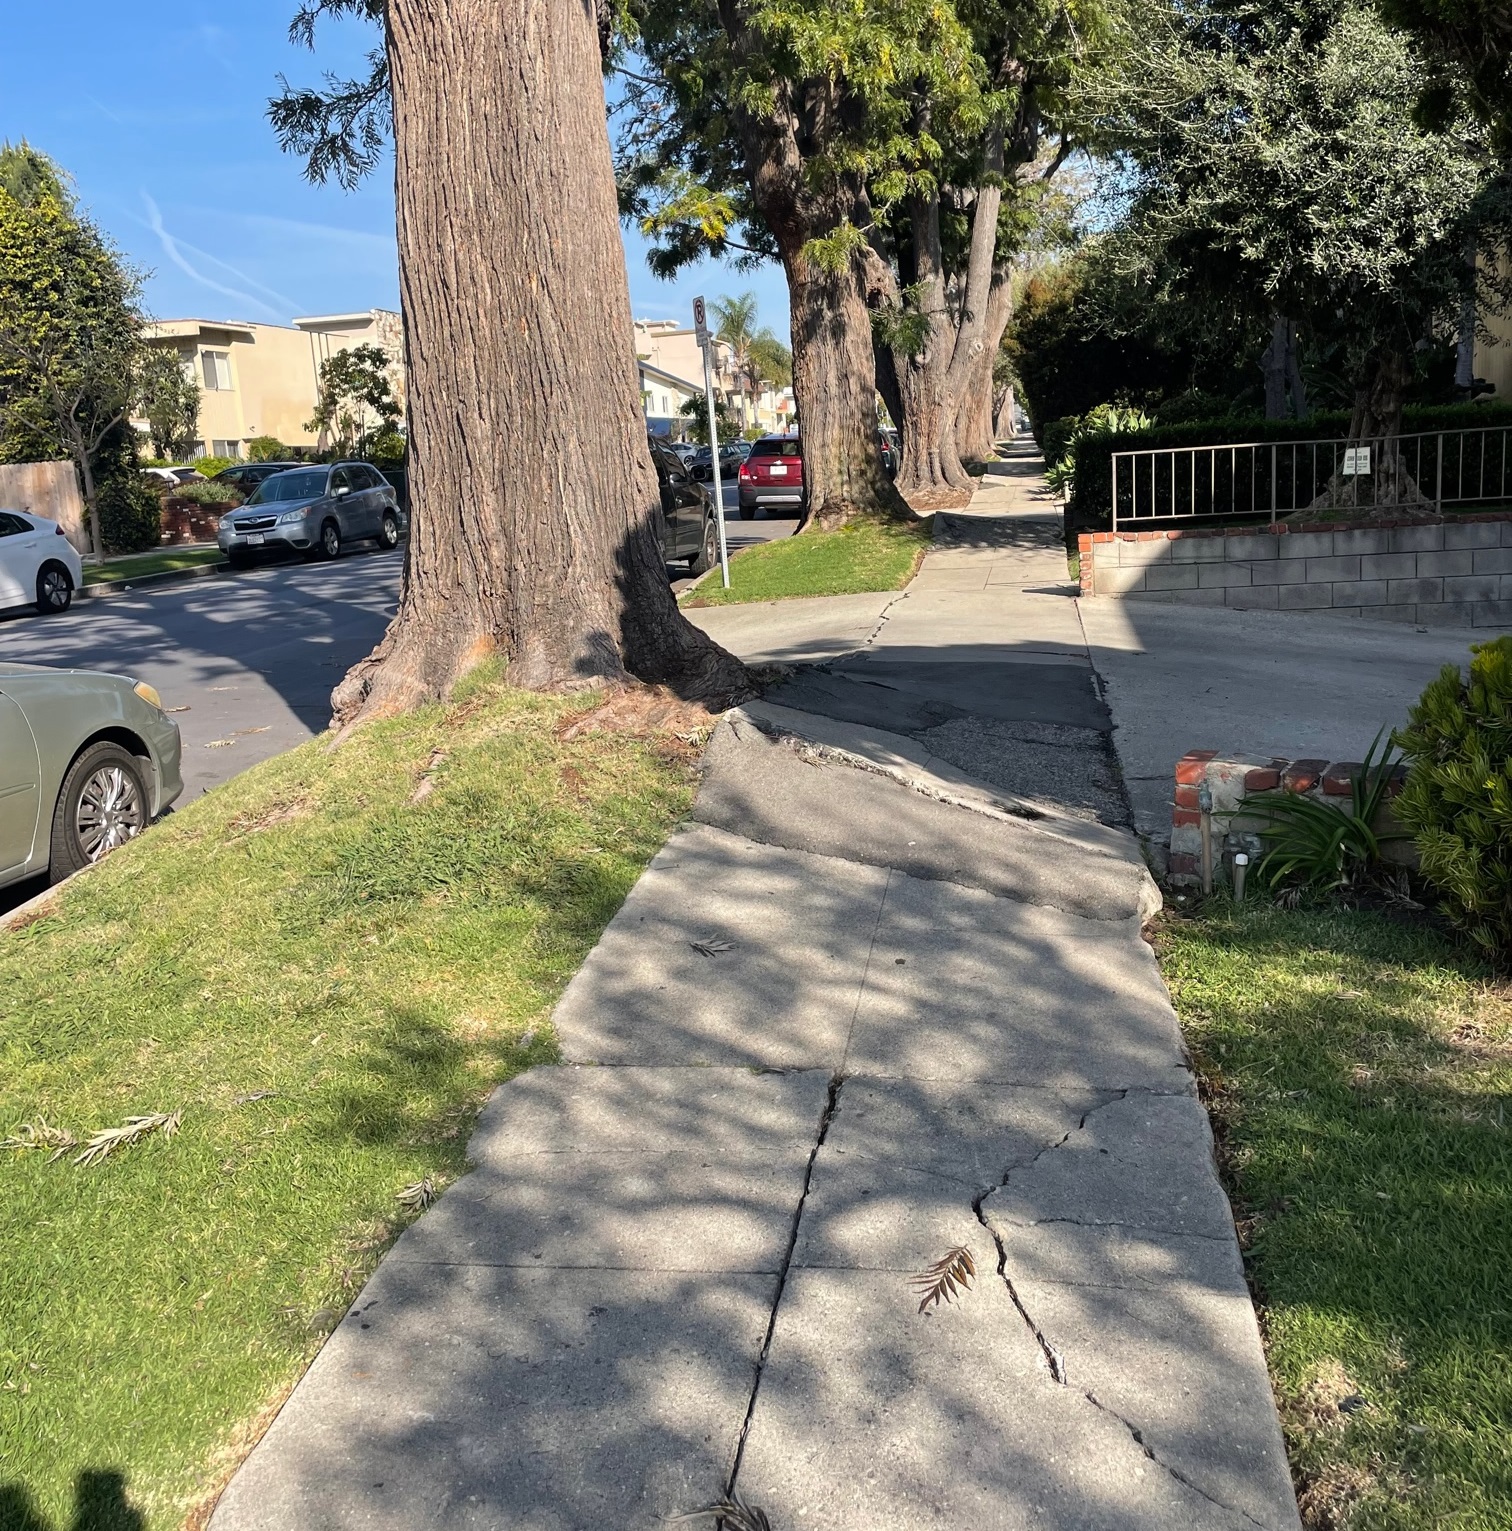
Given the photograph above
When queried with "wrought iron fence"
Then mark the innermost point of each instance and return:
(1271, 479)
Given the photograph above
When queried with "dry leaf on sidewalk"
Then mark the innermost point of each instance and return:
(944, 1278)
(709, 946)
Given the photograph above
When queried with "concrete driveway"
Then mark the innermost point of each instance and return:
(1250, 683)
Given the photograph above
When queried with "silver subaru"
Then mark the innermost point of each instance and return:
(315, 511)
(87, 761)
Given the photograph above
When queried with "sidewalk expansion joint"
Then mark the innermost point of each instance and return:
(1137, 1436)
(831, 1106)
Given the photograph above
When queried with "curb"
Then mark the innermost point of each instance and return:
(107, 588)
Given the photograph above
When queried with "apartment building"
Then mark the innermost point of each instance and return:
(264, 379)
(672, 371)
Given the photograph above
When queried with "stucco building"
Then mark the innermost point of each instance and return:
(264, 379)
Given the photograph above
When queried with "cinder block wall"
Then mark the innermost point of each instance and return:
(1452, 574)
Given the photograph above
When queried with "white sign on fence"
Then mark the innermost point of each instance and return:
(1356, 462)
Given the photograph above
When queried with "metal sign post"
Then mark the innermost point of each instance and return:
(701, 327)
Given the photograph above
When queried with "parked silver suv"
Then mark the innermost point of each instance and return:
(315, 511)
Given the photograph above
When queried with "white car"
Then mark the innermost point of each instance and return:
(38, 565)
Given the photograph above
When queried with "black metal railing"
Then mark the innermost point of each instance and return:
(1271, 479)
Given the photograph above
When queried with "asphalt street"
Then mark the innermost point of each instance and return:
(245, 663)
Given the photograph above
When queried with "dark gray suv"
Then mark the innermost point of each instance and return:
(688, 530)
(315, 511)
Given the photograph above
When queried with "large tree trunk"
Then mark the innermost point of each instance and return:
(833, 365)
(834, 389)
(532, 489)
(976, 432)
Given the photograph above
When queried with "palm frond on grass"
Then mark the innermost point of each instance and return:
(417, 1197)
(108, 1139)
(40, 1134)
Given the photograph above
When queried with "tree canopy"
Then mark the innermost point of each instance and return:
(70, 338)
(1270, 167)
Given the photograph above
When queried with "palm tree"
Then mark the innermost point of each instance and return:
(737, 329)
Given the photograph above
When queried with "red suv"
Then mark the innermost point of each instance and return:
(771, 478)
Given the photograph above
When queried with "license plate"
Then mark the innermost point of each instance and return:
(779, 470)
(255, 539)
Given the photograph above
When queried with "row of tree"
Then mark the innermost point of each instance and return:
(1297, 208)
(891, 159)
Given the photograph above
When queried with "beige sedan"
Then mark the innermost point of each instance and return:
(87, 761)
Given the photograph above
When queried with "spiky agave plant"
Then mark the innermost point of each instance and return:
(1323, 846)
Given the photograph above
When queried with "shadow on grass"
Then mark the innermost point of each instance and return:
(1359, 1070)
(100, 1504)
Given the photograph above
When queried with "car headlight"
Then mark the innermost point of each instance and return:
(290, 516)
(148, 694)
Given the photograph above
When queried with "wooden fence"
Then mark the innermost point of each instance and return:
(47, 489)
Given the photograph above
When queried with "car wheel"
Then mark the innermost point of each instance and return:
(330, 540)
(747, 512)
(707, 555)
(54, 588)
(103, 804)
(388, 532)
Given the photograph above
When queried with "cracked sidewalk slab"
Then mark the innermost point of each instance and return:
(766, 789)
(569, 1336)
(912, 764)
(872, 1414)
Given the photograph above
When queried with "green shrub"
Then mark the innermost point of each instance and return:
(1324, 847)
(1458, 797)
(266, 449)
(1055, 438)
(208, 494)
(131, 515)
(1106, 419)
(210, 466)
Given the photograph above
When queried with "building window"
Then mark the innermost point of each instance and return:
(225, 448)
(217, 368)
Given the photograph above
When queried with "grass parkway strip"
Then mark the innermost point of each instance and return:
(1358, 1069)
(325, 966)
(865, 555)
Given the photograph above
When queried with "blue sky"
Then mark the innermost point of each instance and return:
(156, 110)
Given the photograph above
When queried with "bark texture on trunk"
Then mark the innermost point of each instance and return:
(834, 387)
(976, 422)
(533, 495)
(945, 385)
(833, 365)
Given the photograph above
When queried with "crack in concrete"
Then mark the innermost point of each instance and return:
(882, 617)
(1165, 1233)
(831, 1106)
(1180, 1477)
(1053, 1358)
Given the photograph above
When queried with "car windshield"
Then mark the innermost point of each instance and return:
(776, 446)
(302, 484)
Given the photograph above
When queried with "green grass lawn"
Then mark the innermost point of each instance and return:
(1359, 1071)
(866, 555)
(150, 563)
(325, 965)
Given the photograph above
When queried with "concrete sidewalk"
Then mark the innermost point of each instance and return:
(867, 1010)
